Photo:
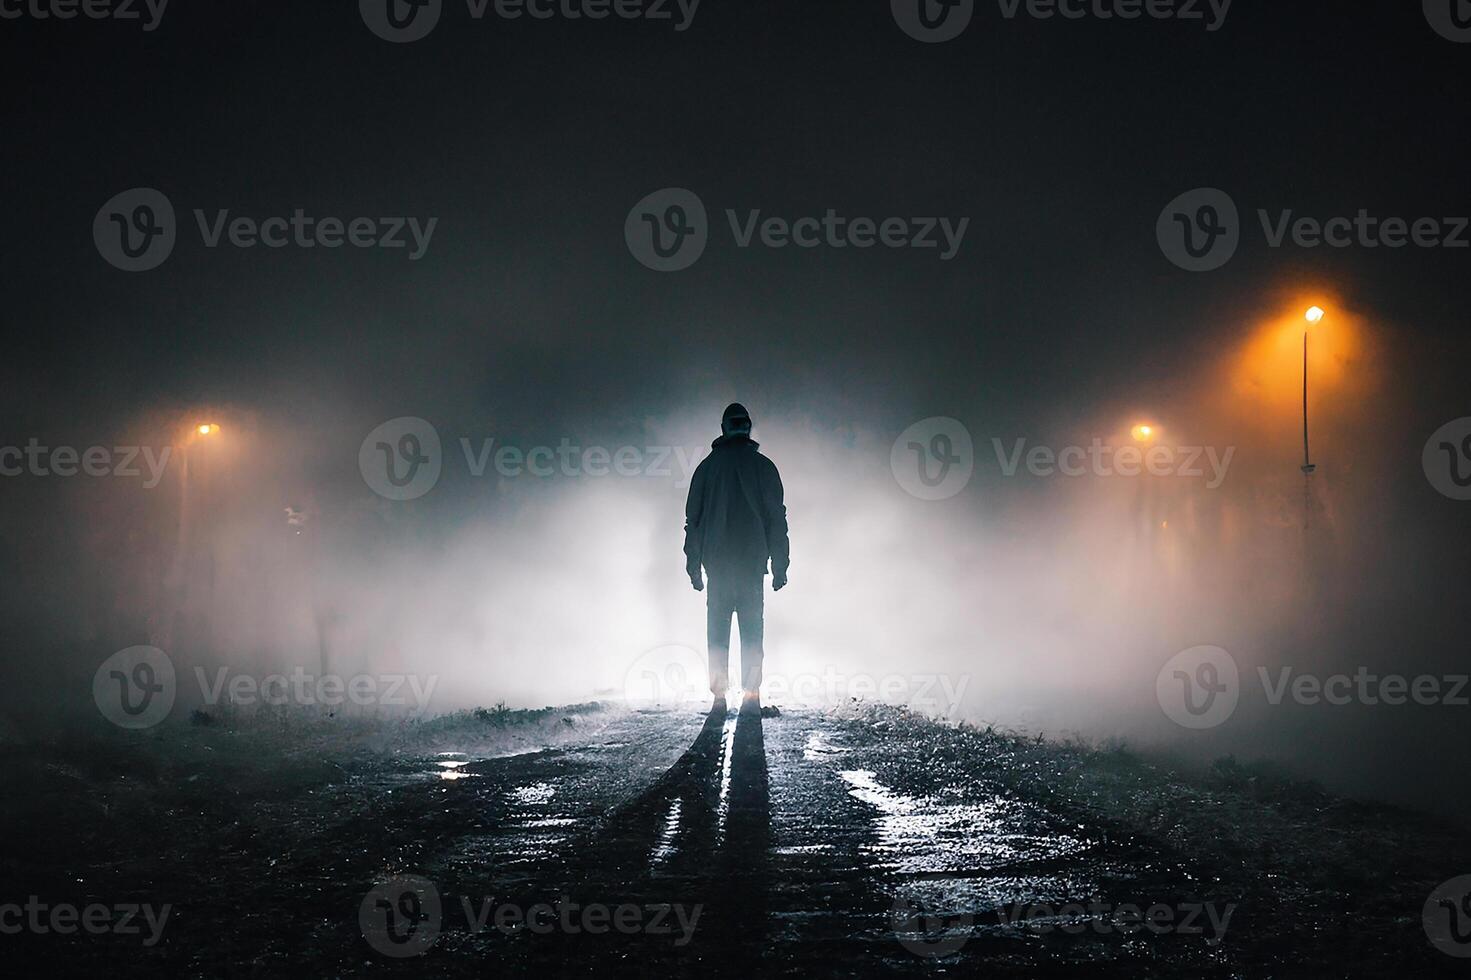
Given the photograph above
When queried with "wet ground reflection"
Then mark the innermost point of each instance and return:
(701, 833)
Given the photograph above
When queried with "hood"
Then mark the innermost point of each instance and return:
(738, 439)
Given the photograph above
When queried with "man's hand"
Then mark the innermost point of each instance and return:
(778, 580)
(697, 582)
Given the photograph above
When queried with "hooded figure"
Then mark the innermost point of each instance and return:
(735, 524)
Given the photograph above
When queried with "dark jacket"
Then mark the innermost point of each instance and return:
(734, 517)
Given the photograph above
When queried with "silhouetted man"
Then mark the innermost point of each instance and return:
(735, 522)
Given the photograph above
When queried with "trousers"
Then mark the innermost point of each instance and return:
(743, 597)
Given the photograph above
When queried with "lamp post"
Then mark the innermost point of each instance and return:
(1314, 315)
(177, 576)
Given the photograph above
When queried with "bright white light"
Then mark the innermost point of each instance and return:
(1315, 313)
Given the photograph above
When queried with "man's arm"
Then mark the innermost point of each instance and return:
(694, 537)
(774, 514)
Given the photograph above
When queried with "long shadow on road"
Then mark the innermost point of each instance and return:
(696, 841)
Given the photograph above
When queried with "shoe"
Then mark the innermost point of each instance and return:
(751, 705)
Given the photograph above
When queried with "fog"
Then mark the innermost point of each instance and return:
(1042, 603)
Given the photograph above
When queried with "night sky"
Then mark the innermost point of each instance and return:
(530, 140)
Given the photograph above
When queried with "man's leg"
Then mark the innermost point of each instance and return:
(749, 606)
(719, 605)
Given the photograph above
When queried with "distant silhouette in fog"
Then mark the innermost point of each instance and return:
(735, 525)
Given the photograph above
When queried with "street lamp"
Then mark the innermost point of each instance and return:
(1313, 315)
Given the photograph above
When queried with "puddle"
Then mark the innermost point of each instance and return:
(550, 822)
(519, 848)
(819, 747)
(664, 847)
(534, 795)
(448, 763)
(727, 759)
(930, 836)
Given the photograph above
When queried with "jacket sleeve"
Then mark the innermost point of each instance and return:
(694, 533)
(774, 514)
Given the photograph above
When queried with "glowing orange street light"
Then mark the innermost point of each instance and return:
(207, 428)
(1143, 432)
